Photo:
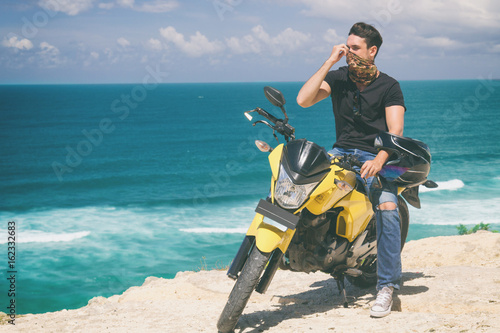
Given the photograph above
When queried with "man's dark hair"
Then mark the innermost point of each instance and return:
(369, 33)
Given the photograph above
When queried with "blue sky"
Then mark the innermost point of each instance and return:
(117, 41)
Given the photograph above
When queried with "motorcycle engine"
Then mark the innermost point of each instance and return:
(315, 245)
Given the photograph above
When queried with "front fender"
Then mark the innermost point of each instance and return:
(267, 237)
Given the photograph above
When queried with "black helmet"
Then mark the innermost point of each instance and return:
(410, 154)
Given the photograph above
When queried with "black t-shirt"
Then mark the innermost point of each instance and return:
(360, 131)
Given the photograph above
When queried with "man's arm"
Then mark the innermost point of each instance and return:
(395, 122)
(316, 89)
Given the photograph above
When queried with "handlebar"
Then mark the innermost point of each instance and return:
(348, 162)
(266, 114)
(277, 125)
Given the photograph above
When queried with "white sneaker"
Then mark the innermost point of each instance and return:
(383, 303)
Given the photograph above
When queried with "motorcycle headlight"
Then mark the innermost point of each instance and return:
(290, 195)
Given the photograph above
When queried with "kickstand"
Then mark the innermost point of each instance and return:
(341, 285)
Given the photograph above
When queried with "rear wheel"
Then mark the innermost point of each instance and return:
(369, 268)
(243, 288)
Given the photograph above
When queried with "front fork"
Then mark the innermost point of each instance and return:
(267, 239)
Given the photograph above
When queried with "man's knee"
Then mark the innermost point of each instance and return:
(387, 206)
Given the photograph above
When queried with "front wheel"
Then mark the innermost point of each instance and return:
(243, 288)
(369, 276)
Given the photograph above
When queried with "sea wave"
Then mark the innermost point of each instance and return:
(119, 222)
(453, 212)
(450, 185)
(47, 237)
(215, 230)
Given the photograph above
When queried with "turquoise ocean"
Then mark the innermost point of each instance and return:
(110, 184)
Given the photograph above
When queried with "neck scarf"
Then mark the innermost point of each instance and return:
(361, 70)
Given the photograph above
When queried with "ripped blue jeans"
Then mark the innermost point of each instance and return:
(388, 224)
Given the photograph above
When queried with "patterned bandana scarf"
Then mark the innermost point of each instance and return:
(361, 70)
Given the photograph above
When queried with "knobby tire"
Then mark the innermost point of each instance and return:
(243, 288)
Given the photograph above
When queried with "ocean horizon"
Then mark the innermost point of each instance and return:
(111, 183)
(487, 82)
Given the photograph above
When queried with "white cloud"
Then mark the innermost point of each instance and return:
(89, 60)
(154, 44)
(123, 42)
(197, 45)
(290, 39)
(460, 12)
(331, 37)
(338, 10)
(21, 44)
(108, 52)
(156, 6)
(125, 3)
(423, 28)
(110, 55)
(439, 42)
(448, 14)
(48, 56)
(108, 5)
(46, 48)
(451, 14)
(159, 6)
(70, 7)
(259, 41)
(496, 48)
(74, 7)
(246, 44)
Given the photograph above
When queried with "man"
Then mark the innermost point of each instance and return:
(366, 101)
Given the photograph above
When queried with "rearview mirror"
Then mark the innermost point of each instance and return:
(274, 96)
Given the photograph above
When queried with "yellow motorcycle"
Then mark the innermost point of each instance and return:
(317, 216)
